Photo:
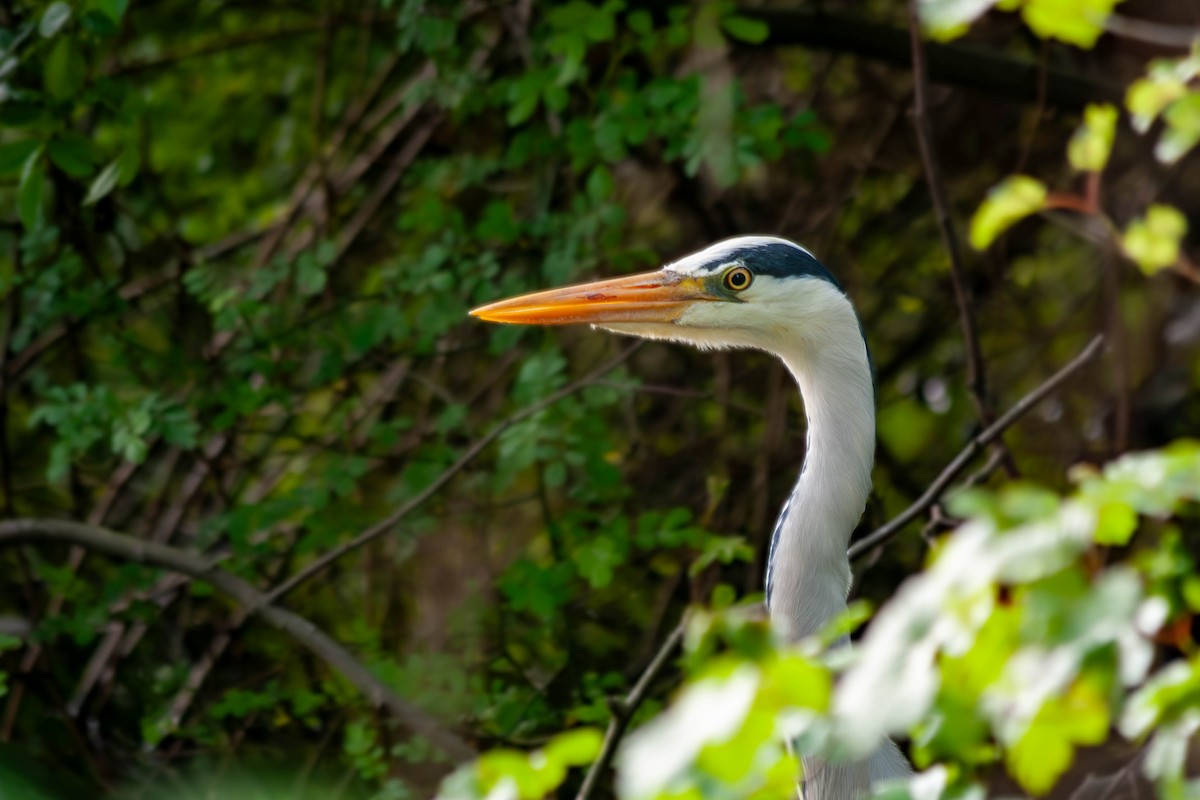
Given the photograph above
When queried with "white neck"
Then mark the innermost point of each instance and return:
(808, 572)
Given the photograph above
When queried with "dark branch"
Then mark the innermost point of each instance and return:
(955, 467)
(976, 374)
(623, 711)
(965, 65)
(390, 521)
(128, 548)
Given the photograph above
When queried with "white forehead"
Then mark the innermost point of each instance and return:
(716, 255)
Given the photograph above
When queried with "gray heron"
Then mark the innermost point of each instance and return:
(770, 294)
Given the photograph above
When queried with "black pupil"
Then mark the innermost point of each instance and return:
(737, 279)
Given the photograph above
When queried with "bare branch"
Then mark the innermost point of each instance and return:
(976, 376)
(128, 548)
(971, 66)
(1174, 37)
(388, 522)
(986, 437)
(623, 710)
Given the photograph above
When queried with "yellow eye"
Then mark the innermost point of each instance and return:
(738, 278)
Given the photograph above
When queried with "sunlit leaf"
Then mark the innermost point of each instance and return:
(1116, 522)
(575, 748)
(1146, 98)
(1152, 242)
(1182, 130)
(948, 19)
(1092, 142)
(1046, 750)
(1077, 22)
(1007, 203)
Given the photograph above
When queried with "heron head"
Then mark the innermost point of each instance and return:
(749, 291)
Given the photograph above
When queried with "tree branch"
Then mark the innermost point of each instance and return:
(986, 437)
(976, 375)
(128, 548)
(966, 65)
(623, 711)
(388, 522)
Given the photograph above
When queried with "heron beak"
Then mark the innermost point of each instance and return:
(648, 297)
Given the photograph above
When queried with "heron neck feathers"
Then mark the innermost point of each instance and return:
(808, 572)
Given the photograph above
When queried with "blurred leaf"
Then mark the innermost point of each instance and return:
(1116, 523)
(53, 18)
(14, 155)
(1077, 22)
(63, 72)
(746, 29)
(1152, 242)
(1182, 130)
(1007, 203)
(114, 9)
(73, 154)
(30, 191)
(575, 748)
(1092, 142)
(1146, 98)
(128, 164)
(944, 20)
(103, 183)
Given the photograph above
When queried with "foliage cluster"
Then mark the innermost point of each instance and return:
(237, 245)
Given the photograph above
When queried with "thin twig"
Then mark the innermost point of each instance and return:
(1174, 37)
(976, 376)
(129, 548)
(388, 522)
(623, 711)
(952, 470)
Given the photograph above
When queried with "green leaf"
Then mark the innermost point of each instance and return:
(640, 22)
(575, 748)
(1147, 97)
(53, 18)
(1046, 749)
(1183, 129)
(310, 275)
(73, 154)
(796, 682)
(1077, 22)
(600, 183)
(944, 20)
(63, 72)
(98, 23)
(113, 9)
(13, 155)
(746, 29)
(1007, 203)
(103, 183)
(1152, 242)
(1092, 142)
(30, 191)
(1115, 523)
(128, 164)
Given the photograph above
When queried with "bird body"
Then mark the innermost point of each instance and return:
(769, 294)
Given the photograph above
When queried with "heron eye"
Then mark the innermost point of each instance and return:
(738, 278)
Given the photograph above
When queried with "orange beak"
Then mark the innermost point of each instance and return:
(648, 297)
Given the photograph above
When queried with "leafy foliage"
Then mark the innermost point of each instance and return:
(237, 248)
